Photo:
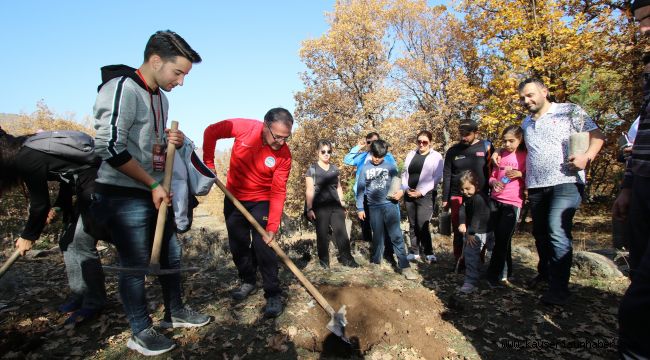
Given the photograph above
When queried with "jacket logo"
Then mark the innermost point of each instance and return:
(269, 161)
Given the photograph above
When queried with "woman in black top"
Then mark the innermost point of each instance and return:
(325, 205)
(21, 164)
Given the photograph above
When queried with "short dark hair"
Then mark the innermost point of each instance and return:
(379, 148)
(279, 114)
(168, 45)
(323, 142)
(372, 134)
(426, 133)
(9, 147)
(535, 81)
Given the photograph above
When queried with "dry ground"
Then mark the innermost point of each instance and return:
(389, 317)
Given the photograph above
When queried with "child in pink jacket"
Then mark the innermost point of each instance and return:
(507, 183)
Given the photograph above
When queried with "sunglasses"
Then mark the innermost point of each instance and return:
(326, 152)
(368, 142)
(277, 138)
(423, 142)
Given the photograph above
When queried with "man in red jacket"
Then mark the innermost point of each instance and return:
(259, 168)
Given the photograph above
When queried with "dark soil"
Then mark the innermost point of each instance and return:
(389, 317)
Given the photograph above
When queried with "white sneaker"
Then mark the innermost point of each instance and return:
(467, 288)
(413, 257)
(432, 258)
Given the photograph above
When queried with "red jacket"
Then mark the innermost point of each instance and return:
(256, 172)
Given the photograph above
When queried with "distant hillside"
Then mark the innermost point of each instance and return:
(10, 122)
(16, 124)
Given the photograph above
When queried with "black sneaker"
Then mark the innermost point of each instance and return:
(536, 282)
(550, 298)
(82, 315)
(273, 307)
(185, 318)
(495, 284)
(325, 264)
(350, 263)
(149, 342)
(244, 291)
(72, 304)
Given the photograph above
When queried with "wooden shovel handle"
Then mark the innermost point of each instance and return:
(281, 254)
(162, 210)
(9, 262)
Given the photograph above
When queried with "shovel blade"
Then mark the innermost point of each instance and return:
(337, 324)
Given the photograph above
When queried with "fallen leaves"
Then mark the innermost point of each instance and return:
(277, 342)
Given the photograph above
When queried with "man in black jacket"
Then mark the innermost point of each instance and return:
(470, 153)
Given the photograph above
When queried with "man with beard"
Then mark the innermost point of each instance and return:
(633, 205)
(470, 153)
(555, 181)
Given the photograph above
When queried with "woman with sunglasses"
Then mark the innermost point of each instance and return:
(422, 173)
(325, 205)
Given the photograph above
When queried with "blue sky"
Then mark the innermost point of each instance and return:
(53, 50)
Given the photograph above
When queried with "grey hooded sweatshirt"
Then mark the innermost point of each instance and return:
(129, 120)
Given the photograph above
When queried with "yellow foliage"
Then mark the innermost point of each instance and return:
(42, 119)
(400, 66)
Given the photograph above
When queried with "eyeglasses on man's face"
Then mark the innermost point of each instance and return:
(423, 142)
(277, 138)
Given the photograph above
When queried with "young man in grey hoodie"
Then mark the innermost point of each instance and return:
(130, 117)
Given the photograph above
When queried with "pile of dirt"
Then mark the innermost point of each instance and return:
(375, 316)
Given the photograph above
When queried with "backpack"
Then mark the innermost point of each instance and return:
(71, 145)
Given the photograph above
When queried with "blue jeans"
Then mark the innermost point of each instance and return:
(552, 209)
(472, 255)
(384, 221)
(131, 222)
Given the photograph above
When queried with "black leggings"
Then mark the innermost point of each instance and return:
(504, 220)
(419, 213)
(334, 216)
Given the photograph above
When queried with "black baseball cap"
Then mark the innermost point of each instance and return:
(467, 126)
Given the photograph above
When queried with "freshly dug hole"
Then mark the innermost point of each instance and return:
(376, 316)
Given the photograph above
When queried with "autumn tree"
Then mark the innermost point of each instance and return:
(437, 69)
(345, 91)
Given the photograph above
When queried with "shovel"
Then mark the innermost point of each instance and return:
(154, 262)
(9, 262)
(338, 322)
